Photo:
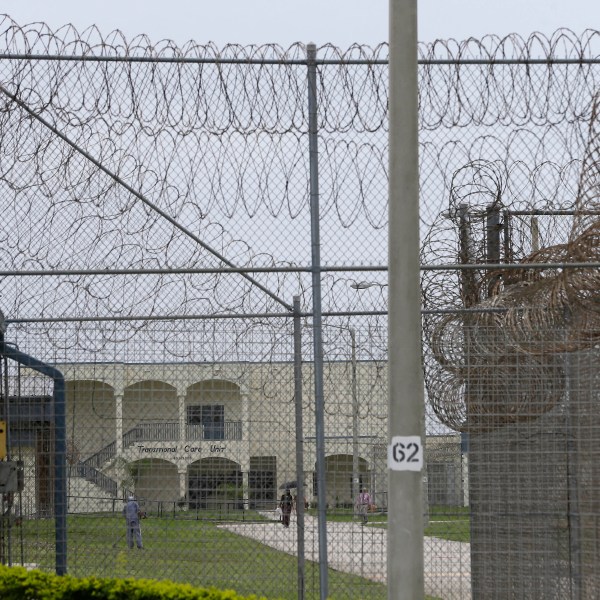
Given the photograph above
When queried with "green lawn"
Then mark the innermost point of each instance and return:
(449, 523)
(446, 522)
(457, 530)
(187, 550)
(191, 548)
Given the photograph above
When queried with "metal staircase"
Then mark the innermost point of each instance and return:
(89, 468)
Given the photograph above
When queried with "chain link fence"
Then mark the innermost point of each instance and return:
(158, 263)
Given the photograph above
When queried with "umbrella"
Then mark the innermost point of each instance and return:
(288, 485)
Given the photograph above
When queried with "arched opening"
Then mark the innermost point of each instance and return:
(154, 481)
(215, 483)
(338, 479)
(90, 417)
(150, 408)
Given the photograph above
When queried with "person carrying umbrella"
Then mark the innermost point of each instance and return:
(286, 504)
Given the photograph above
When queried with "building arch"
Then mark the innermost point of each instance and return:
(90, 416)
(149, 401)
(215, 483)
(154, 480)
(338, 479)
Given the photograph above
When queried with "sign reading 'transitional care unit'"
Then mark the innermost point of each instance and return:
(187, 449)
(405, 453)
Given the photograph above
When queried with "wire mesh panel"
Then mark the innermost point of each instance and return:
(158, 229)
(206, 451)
(510, 369)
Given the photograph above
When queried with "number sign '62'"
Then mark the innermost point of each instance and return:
(405, 453)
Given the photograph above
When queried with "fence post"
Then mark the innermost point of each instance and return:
(299, 446)
(405, 427)
(313, 150)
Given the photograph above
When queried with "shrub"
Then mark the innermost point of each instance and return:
(17, 583)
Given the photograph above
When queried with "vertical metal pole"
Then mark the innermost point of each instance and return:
(507, 236)
(535, 234)
(406, 396)
(493, 227)
(5, 533)
(313, 148)
(355, 474)
(60, 454)
(60, 470)
(470, 452)
(468, 277)
(299, 446)
(573, 514)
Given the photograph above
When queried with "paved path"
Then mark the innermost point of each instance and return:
(362, 550)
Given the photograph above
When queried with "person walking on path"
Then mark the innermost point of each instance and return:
(286, 504)
(363, 502)
(131, 512)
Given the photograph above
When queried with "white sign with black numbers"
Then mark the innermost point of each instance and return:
(405, 453)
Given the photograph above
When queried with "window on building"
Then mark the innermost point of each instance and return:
(262, 478)
(211, 417)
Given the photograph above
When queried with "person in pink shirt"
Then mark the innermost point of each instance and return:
(362, 505)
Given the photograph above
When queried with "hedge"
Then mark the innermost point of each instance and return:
(18, 583)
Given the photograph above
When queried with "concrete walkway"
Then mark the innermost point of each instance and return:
(362, 550)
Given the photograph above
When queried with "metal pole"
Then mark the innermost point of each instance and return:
(60, 463)
(406, 396)
(299, 446)
(313, 148)
(493, 227)
(355, 474)
(468, 278)
(573, 514)
(470, 453)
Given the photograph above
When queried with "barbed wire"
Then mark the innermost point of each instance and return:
(214, 140)
(507, 365)
(156, 229)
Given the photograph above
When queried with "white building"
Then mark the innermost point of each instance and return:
(202, 435)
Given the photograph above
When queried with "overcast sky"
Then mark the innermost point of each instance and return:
(340, 22)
